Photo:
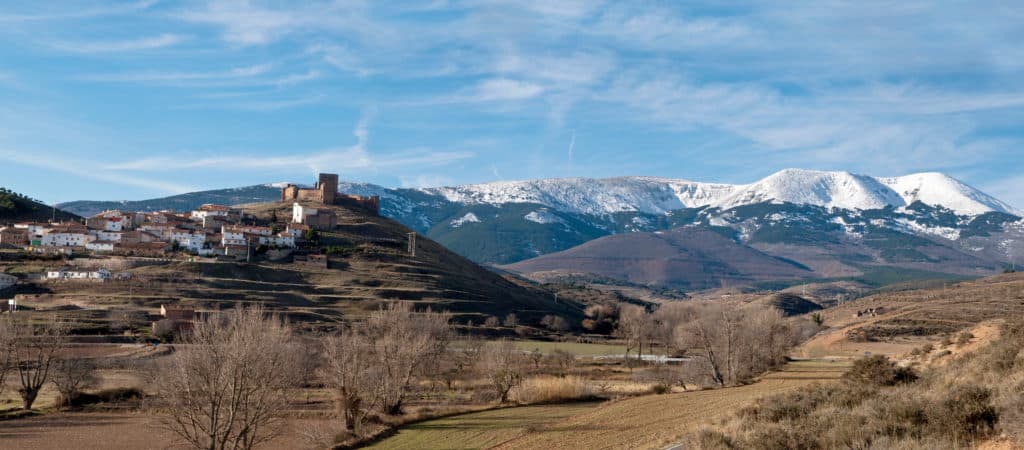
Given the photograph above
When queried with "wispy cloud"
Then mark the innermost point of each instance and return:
(107, 10)
(147, 43)
(89, 170)
(341, 159)
(171, 77)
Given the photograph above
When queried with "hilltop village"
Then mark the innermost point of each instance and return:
(209, 231)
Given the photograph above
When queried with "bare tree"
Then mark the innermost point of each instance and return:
(226, 386)
(502, 364)
(71, 376)
(6, 350)
(635, 327)
(734, 344)
(403, 341)
(491, 322)
(511, 320)
(352, 373)
(35, 350)
(555, 323)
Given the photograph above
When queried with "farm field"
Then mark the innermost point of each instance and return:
(479, 430)
(651, 421)
(580, 349)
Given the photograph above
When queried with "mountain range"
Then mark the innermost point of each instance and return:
(817, 225)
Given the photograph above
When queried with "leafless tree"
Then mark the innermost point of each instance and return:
(71, 376)
(555, 323)
(461, 359)
(502, 365)
(491, 322)
(226, 386)
(35, 350)
(635, 327)
(6, 350)
(511, 320)
(351, 372)
(733, 343)
(403, 341)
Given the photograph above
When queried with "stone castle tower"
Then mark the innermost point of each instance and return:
(326, 192)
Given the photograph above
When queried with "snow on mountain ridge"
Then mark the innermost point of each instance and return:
(658, 195)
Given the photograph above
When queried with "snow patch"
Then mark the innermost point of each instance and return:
(543, 217)
(468, 218)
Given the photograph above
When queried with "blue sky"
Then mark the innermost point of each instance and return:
(131, 100)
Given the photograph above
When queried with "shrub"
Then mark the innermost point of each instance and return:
(964, 338)
(878, 370)
(661, 389)
(115, 395)
(549, 389)
(966, 412)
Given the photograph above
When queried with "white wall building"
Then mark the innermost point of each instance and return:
(283, 239)
(61, 239)
(189, 240)
(68, 274)
(232, 236)
(100, 246)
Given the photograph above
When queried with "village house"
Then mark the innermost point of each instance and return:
(297, 230)
(66, 235)
(105, 223)
(100, 246)
(194, 241)
(209, 210)
(232, 236)
(66, 273)
(175, 320)
(14, 237)
(282, 239)
(317, 219)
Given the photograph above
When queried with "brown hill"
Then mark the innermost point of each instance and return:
(368, 265)
(689, 257)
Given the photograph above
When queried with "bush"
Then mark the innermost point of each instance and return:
(965, 413)
(964, 338)
(878, 370)
(115, 395)
(548, 389)
(661, 389)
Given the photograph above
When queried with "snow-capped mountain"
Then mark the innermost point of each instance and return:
(842, 190)
(835, 223)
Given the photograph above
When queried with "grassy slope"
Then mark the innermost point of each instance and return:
(641, 422)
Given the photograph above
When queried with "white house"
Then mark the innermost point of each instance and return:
(300, 212)
(189, 240)
(210, 211)
(102, 235)
(100, 246)
(67, 274)
(65, 239)
(232, 236)
(282, 239)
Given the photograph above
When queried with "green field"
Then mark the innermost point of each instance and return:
(479, 430)
(579, 349)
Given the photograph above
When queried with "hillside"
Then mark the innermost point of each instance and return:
(18, 207)
(692, 258)
(369, 265)
(182, 202)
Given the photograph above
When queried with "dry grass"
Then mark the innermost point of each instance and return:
(658, 420)
(551, 389)
(969, 400)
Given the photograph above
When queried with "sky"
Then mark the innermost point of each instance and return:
(142, 99)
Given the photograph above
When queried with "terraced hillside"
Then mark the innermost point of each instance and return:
(369, 264)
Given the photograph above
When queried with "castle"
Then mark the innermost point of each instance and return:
(326, 192)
